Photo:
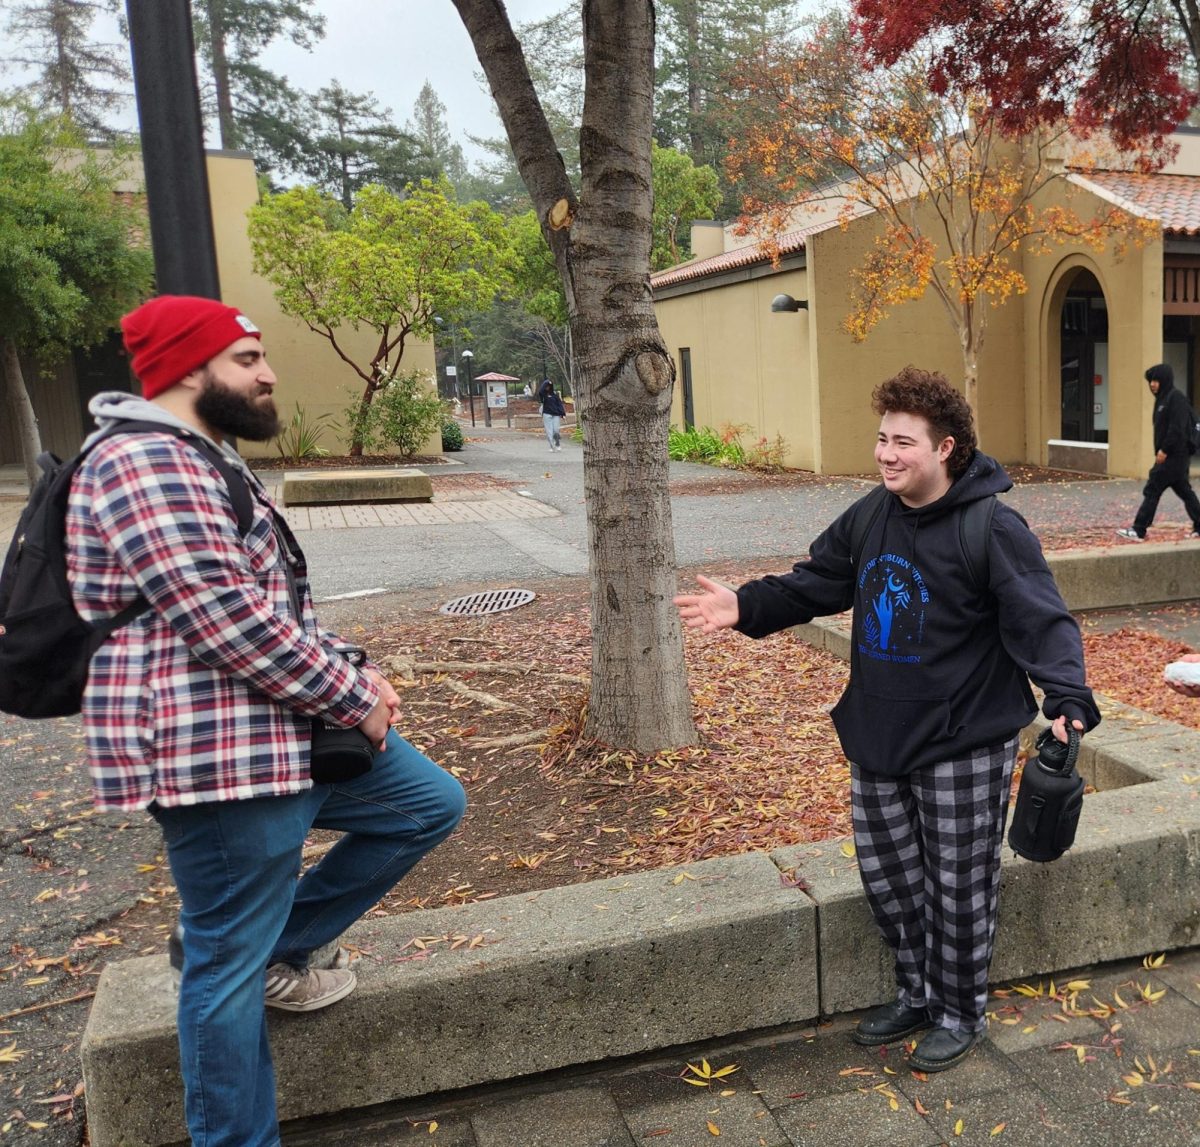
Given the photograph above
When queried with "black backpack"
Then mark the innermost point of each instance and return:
(45, 646)
(974, 525)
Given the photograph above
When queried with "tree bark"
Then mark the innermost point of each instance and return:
(21, 407)
(601, 242)
(220, 69)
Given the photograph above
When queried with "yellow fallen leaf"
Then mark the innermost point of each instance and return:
(713, 1129)
(727, 1093)
(37, 1125)
(847, 848)
(432, 1126)
(723, 1072)
(958, 1127)
(893, 1104)
(10, 1054)
(147, 868)
(1154, 961)
(1078, 985)
(696, 1082)
(1134, 1079)
(1193, 1085)
(999, 1129)
(33, 983)
(1080, 1052)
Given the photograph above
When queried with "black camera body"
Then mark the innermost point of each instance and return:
(1049, 800)
(339, 754)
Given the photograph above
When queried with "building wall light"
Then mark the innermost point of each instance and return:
(787, 303)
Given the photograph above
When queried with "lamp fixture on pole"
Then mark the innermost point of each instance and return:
(787, 303)
(466, 357)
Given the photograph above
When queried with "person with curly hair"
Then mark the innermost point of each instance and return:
(944, 643)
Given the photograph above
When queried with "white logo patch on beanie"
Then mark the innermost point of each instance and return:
(247, 325)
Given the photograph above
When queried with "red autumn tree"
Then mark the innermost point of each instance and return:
(951, 121)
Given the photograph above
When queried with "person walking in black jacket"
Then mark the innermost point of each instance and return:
(939, 690)
(1172, 454)
(553, 412)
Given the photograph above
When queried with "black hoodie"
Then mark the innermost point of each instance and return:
(1172, 425)
(938, 667)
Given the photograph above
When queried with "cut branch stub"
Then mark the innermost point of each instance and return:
(560, 216)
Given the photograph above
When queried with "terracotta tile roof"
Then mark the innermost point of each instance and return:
(1174, 200)
(789, 244)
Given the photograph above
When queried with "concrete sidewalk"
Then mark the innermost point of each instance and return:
(1043, 1077)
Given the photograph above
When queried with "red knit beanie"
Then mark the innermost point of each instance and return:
(172, 335)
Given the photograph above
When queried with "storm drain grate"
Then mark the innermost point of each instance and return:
(492, 601)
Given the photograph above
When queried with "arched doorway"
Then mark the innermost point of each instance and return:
(1084, 361)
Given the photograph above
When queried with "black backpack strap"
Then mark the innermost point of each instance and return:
(974, 527)
(239, 491)
(239, 495)
(863, 515)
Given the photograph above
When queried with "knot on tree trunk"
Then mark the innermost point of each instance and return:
(655, 371)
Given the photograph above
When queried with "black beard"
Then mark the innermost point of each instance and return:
(233, 415)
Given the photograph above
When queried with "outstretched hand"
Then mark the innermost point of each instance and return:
(716, 607)
(1183, 687)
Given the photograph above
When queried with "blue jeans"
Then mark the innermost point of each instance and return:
(235, 864)
(551, 424)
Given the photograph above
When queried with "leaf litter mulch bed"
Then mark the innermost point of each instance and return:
(500, 702)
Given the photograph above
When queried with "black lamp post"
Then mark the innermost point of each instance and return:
(467, 356)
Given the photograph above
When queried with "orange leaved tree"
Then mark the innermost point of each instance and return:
(956, 167)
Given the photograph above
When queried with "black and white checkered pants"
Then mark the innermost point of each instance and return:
(928, 849)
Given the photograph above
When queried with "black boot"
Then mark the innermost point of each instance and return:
(890, 1023)
(942, 1048)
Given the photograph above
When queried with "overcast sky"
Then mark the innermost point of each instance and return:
(391, 47)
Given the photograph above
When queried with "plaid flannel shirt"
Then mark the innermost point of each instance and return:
(209, 694)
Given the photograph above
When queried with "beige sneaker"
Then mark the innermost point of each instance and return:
(306, 990)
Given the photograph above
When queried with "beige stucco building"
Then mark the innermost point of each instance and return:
(1060, 370)
(310, 373)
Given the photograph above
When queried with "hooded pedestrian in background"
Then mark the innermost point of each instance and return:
(1172, 454)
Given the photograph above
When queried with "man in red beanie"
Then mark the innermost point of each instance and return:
(202, 708)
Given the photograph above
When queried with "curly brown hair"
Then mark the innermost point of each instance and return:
(927, 394)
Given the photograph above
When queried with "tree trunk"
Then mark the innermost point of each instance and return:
(639, 696)
(970, 339)
(220, 70)
(21, 408)
(1188, 14)
(695, 84)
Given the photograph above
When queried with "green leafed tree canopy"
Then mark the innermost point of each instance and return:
(69, 266)
(389, 264)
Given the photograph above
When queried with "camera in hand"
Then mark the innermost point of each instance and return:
(340, 754)
(1049, 800)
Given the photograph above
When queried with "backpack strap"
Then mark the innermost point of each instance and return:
(239, 495)
(974, 526)
(239, 491)
(863, 515)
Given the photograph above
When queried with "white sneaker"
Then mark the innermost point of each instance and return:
(307, 990)
(1132, 535)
